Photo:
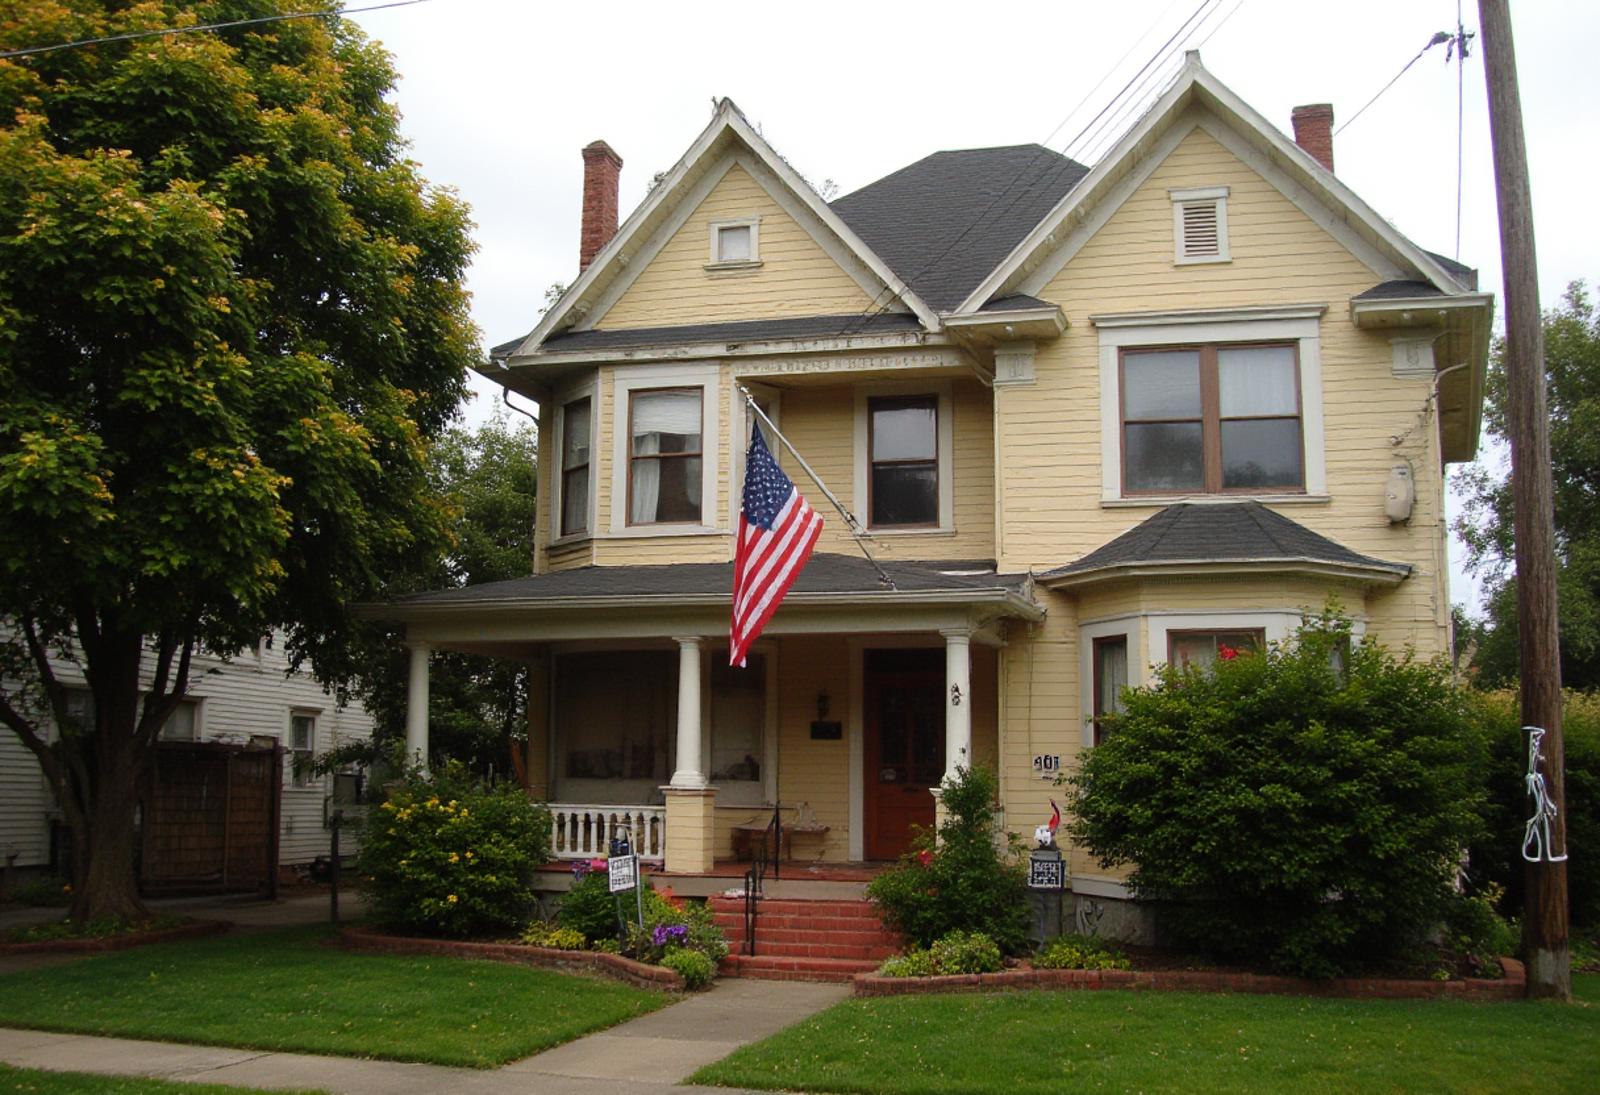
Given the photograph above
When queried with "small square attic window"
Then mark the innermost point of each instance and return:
(735, 243)
(1200, 224)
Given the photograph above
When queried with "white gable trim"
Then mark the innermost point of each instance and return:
(1193, 76)
(727, 120)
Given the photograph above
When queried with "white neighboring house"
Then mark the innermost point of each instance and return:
(230, 701)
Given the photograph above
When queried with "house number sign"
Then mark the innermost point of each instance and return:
(1046, 872)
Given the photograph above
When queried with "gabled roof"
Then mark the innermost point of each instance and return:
(755, 330)
(947, 220)
(728, 132)
(1209, 535)
(1195, 85)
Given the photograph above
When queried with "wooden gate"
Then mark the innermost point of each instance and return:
(210, 820)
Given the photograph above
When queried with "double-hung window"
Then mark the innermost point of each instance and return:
(903, 457)
(1110, 678)
(665, 457)
(575, 420)
(302, 747)
(1211, 419)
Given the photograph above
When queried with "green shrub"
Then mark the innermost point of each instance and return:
(695, 968)
(1079, 952)
(954, 952)
(449, 856)
(962, 881)
(1478, 935)
(541, 934)
(590, 908)
(1303, 807)
(1496, 857)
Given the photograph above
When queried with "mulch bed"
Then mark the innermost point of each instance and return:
(640, 974)
(193, 929)
(1510, 987)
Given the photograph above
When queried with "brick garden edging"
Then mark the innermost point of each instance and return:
(1510, 987)
(640, 974)
(195, 929)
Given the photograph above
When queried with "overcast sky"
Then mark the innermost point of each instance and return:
(500, 95)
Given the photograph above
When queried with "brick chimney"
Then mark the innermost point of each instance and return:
(1313, 131)
(602, 168)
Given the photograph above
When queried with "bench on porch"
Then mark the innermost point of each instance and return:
(746, 832)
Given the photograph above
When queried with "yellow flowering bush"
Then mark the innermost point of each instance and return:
(449, 856)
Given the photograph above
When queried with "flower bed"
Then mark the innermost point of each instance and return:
(640, 974)
(1510, 987)
(116, 941)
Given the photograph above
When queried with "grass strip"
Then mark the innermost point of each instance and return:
(1046, 1042)
(36, 1081)
(288, 990)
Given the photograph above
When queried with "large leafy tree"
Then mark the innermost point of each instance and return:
(1572, 371)
(231, 320)
(477, 705)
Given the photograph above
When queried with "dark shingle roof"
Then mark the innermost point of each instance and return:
(1016, 302)
(760, 330)
(1394, 290)
(945, 222)
(824, 573)
(1466, 275)
(1227, 532)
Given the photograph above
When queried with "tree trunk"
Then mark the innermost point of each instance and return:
(106, 886)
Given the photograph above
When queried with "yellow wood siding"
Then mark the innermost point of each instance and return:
(796, 276)
(1052, 512)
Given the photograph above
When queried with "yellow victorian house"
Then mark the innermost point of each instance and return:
(1093, 418)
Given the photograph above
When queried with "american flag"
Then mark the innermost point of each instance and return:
(777, 530)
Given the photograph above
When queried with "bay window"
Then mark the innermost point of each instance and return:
(575, 430)
(1195, 649)
(1110, 678)
(665, 468)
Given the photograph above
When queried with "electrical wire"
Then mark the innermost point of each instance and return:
(1438, 39)
(327, 13)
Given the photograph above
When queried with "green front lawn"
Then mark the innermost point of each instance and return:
(1049, 1042)
(288, 990)
(34, 1081)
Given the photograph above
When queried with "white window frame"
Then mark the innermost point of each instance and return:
(295, 778)
(1215, 196)
(586, 390)
(1120, 627)
(625, 381)
(1298, 324)
(769, 731)
(716, 262)
(946, 450)
(198, 705)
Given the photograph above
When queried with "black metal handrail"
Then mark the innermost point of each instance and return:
(755, 878)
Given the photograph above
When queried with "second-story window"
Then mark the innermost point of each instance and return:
(665, 456)
(575, 468)
(1211, 419)
(903, 451)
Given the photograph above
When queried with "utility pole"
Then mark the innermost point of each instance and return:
(1544, 921)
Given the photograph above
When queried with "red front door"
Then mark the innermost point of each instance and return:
(904, 709)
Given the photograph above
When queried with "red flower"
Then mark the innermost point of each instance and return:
(925, 857)
(1227, 653)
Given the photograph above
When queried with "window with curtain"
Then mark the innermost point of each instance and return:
(903, 449)
(665, 456)
(1211, 419)
(575, 420)
(734, 243)
(1199, 649)
(615, 718)
(1110, 678)
(738, 730)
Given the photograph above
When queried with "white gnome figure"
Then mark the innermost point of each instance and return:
(1046, 834)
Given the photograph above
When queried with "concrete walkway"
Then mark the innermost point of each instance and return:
(649, 1054)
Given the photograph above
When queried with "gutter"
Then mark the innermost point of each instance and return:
(1375, 574)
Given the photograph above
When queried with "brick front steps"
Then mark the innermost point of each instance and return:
(805, 940)
(1510, 987)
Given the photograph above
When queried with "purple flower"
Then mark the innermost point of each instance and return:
(579, 869)
(669, 933)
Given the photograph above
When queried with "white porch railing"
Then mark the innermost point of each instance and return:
(582, 832)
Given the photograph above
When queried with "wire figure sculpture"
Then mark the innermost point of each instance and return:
(1537, 842)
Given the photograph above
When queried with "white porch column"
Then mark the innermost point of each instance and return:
(690, 773)
(417, 705)
(957, 700)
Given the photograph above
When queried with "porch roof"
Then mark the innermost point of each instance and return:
(1221, 536)
(828, 579)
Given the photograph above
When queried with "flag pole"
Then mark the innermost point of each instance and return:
(852, 525)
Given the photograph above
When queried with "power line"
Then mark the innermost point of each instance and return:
(1438, 39)
(328, 13)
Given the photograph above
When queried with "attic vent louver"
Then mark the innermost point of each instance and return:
(1200, 224)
